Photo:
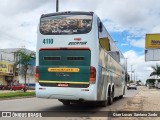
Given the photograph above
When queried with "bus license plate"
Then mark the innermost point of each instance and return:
(63, 70)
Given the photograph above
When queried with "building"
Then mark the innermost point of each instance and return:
(7, 73)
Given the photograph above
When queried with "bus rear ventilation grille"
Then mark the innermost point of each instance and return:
(52, 58)
(75, 58)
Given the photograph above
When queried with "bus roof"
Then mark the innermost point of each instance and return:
(67, 13)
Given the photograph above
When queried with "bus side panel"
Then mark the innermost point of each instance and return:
(116, 76)
(109, 73)
(102, 81)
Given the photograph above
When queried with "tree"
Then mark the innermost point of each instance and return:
(23, 59)
(150, 81)
(156, 70)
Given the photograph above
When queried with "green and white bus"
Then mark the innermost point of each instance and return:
(77, 60)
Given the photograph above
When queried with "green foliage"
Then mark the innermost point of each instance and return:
(156, 70)
(150, 81)
(23, 58)
(16, 94)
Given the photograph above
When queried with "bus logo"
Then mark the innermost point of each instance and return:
(77, 43)
(77, 39)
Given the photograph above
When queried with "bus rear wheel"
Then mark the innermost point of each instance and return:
(110, 97)
(66, 102)
(104, 103)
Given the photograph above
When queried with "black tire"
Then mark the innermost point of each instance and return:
(121, 96)
(24, 90)
(65, 102)
(104, 103)
(110, 97)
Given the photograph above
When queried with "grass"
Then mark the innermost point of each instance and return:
(16, 94)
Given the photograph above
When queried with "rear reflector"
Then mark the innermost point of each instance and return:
(92, 75)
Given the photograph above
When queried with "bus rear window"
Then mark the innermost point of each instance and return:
(66, 24)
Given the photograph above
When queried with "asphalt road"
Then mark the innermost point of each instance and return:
(38, 104)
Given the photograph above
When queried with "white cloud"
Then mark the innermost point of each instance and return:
(16, 7)
(138, 43)
(131, 12)
(20, 29)
(124, 44)
(114, 27)
(156, 29)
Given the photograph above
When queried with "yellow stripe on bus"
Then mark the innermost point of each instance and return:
(44, 81)
(63, 70)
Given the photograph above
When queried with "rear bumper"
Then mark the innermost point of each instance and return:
(67, 93)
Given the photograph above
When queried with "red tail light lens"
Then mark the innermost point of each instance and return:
(92, 75)
(37, 74)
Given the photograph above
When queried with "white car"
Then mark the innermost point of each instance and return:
(158, 85)
(132, 86)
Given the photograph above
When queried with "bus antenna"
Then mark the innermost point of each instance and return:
(57, 5)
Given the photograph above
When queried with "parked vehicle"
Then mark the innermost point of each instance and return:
(4, 87)
(19, 87)
(158, 85)
(1, 87)
(132, 86)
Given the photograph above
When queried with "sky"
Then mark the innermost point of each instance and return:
(127, 21)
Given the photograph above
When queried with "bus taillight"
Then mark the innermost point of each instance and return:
(37, 74)
(92, 75)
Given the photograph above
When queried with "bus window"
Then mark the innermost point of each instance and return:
(100, 26)
(66, 24)
(105, 43)
(115, 55)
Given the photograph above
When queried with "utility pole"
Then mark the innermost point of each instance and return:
(131, 72)
(57, 5)
(134, 76)
(1, 57)
(126, 70)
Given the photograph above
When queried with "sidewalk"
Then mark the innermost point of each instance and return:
(151, 98)
(146, 100)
